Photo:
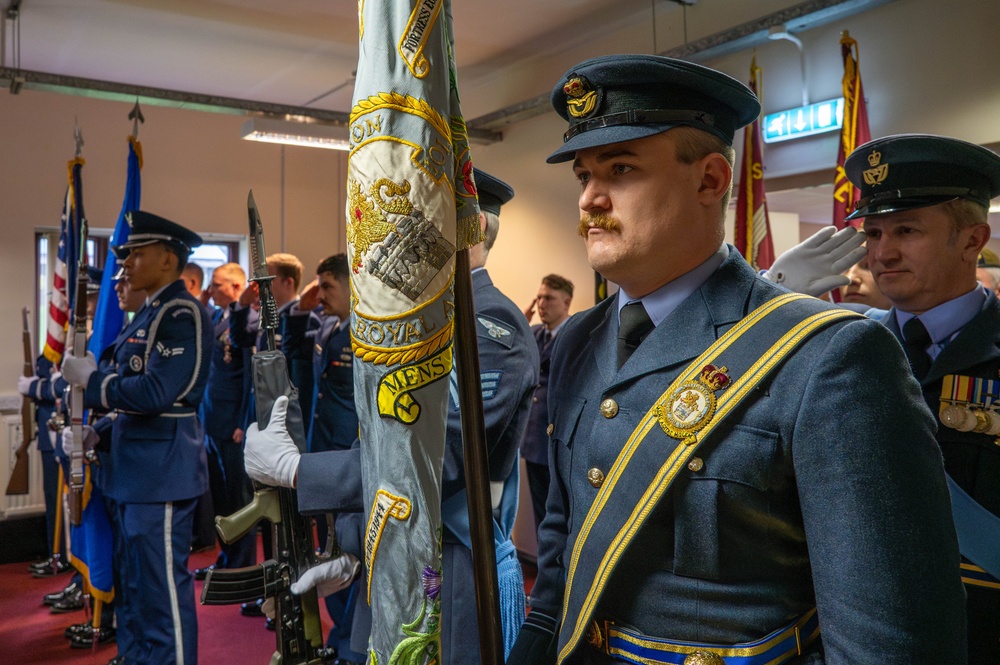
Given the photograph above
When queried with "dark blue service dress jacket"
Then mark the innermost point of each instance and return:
(334, 424)
(824, 489)
(535, 446)
(155, 385)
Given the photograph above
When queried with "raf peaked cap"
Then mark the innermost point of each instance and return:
(492, 192)
(910, 171)
(145, 228)
(618, 98)
(94, 277)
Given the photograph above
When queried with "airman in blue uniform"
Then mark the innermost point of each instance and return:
(156, 467)
(924, 200)
(508, 358)
(739, 474)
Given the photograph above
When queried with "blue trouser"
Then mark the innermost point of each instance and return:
(156, 610)
(50, 490)
(231, 490)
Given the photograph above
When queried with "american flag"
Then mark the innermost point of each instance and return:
(64, 272)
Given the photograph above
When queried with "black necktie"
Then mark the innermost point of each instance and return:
(546, 338)
(916, 339)
(634, 325)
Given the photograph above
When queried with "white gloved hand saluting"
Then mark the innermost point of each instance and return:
(813, 267)
(90, 439)
(270, 455)
(78, 370)
(24, 384)
(329, 577)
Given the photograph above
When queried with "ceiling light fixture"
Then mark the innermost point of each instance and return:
(291, 132)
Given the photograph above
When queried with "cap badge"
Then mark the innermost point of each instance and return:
(581, 97)
(128, 218)
(689, 408)
(878, 172)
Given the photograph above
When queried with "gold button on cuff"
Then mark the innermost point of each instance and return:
(609, 408)
(596, 477)
(551, 428)
(696, 464)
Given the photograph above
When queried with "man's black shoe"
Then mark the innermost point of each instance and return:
(77, 629)
(50, 571)
(71, 603)
(86, 640)
(117, 660)
(252, 609)
(39, 565)
(202, 573)
(55, 597)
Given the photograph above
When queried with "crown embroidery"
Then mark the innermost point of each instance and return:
(878, 172)
(581, 98)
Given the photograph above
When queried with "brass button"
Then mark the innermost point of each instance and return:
(696, 464)
(609, 408)
(319, 395)
(551, 428)
(534, 399)
(596, 477)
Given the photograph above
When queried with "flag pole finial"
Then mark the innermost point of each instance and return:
(77, 137)
(135, 115)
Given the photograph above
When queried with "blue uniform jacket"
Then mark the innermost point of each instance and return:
(45, 390)
(535, 446)
(824, 489)
(227, 388)
(155, 385)
(970, 458)
(334, 424)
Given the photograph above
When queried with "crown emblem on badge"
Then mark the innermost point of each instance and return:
(581, 98)
(690, 406)
(715, 378)
(878, 172)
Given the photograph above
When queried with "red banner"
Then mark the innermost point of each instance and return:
(753, 228)
(854, 132)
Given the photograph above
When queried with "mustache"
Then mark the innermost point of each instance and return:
(597, 221)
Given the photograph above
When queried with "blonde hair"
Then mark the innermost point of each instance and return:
(693, 144)
(285, 266)
(233, 272)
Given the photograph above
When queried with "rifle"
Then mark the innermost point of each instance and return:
(18, 483)
(76, 410)
(299, 635)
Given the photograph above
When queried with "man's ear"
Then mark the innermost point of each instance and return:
(977, 239)
(716, 176)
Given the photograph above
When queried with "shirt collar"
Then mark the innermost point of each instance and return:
(661, 302)
(945, 320)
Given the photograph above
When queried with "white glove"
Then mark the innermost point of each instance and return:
(330, 576)
(90, 439)
(78, 370)
(270, 456)
(24, 384)
(813, 267)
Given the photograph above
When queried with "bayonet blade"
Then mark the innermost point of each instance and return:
(260, 276)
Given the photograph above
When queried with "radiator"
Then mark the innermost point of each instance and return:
(23, 505)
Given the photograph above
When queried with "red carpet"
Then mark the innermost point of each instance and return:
(30, 635)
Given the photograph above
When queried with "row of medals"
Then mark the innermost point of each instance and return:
(966, 418)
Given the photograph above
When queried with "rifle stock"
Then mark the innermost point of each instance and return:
(18, 483)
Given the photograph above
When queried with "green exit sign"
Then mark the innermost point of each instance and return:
(803, 121)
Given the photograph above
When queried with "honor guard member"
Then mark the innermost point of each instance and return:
(508, 360)
(924, 200)
(739, 474)
(226, 393)
(156, 467)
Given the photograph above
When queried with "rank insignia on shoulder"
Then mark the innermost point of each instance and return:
(969, 404)
(689, 408)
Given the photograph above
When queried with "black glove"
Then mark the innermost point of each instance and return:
(536, 643)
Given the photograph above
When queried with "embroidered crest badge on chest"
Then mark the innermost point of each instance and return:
(689, 408)
(135, 363)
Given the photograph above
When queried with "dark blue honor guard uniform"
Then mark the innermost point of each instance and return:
(748, 477)
(958, 364)
(48, 387)
(226, 393)
(156, 467)
(508, 361)
(535, 445)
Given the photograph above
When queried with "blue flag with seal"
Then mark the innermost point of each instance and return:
(411, 206)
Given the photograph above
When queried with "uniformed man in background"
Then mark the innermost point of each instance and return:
(156, 467)
(736, 470)
(924, 200)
